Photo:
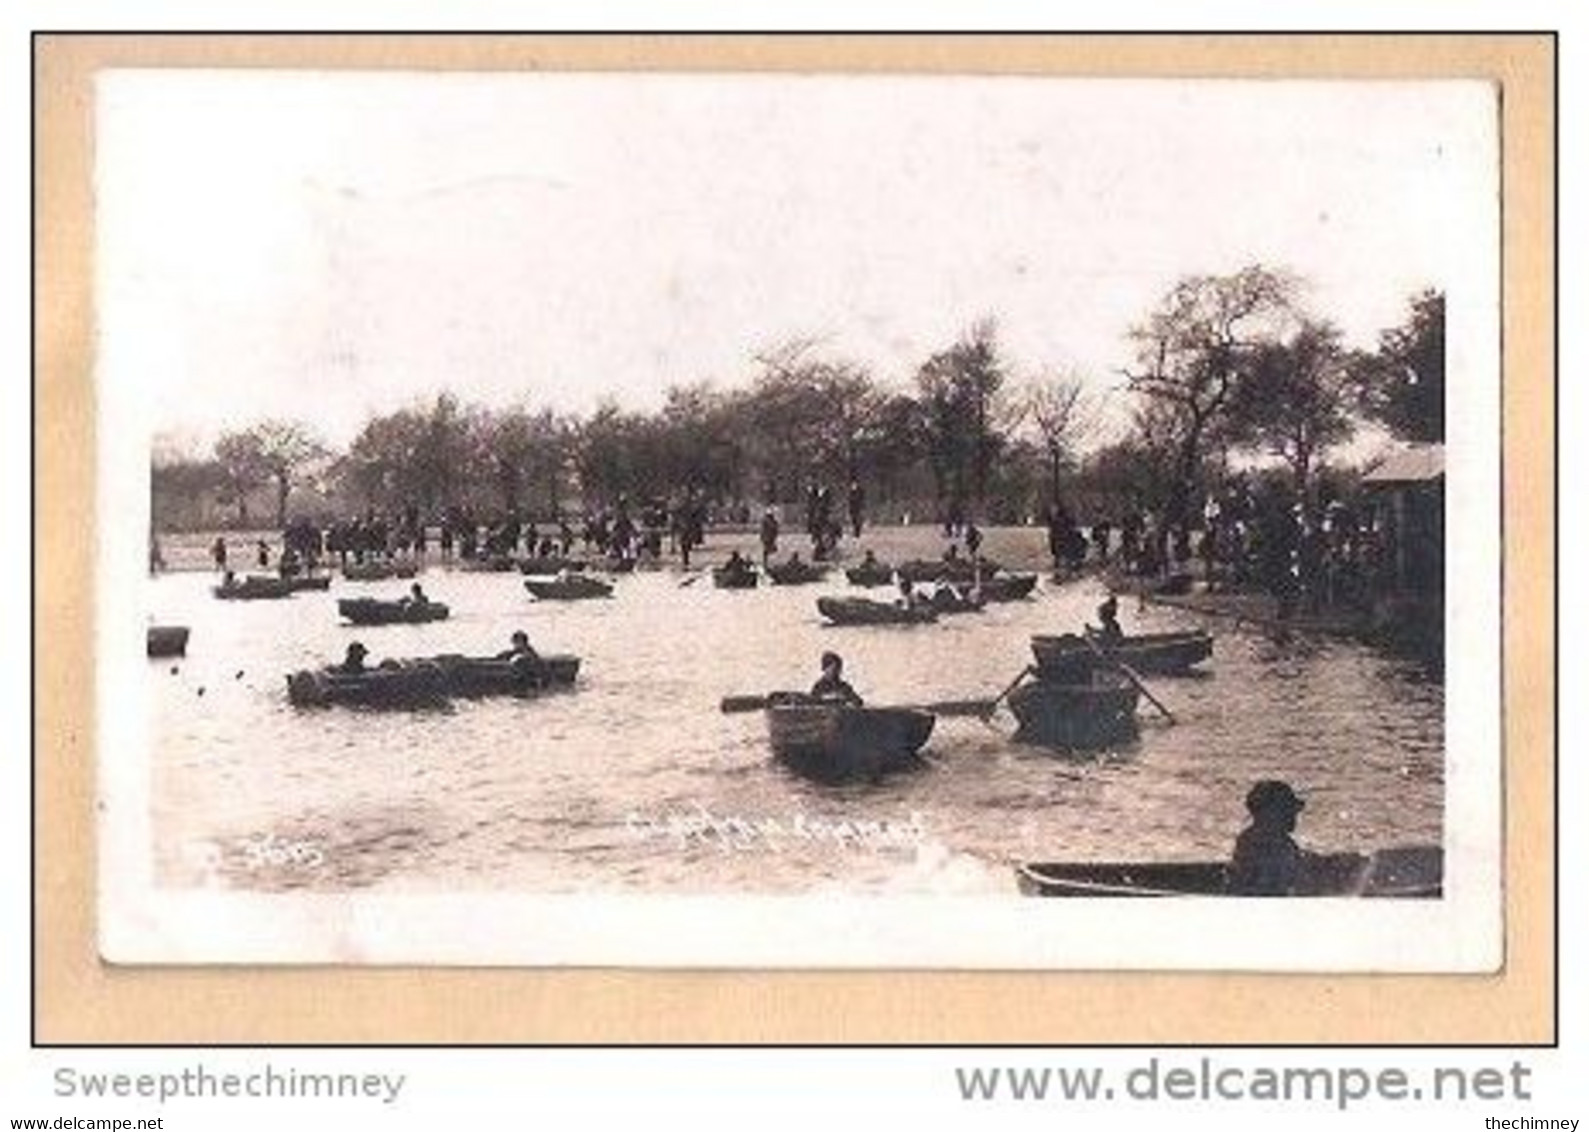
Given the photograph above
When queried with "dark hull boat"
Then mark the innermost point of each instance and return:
(167, 640)
(392, 686)
(860, 611)
(878, 575)
(796, 574)
(838, 743)
(953, 570)
(548, 565)
(746, 579)
(493, 676)
(379, 571)
(1162, 654)
(1008, 587)
(576, 587)
(1409, 872)
(310, 582)
(1086, 715)
(256, 587)
(369, 611)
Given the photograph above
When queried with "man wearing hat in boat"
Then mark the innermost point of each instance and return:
(832, 686)
(1266, 861)
(1109, 631)
(353, 663)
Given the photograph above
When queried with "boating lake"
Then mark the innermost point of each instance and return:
(635, 782)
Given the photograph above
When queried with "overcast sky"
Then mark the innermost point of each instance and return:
(328, 246)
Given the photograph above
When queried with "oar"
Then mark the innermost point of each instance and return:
(691, 580)
(979, 708)
(1129, 672)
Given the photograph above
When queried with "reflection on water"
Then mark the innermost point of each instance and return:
(595, 789)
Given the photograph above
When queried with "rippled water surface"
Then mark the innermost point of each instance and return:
(635, 782)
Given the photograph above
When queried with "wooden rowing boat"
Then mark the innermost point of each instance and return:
(1008, 587)
(877, 574)
(1413, 871)
(370, 611)
(954, 570)
(379, 571)
(393, 686)
(860, 611)
(796, 573)
(838, 743)
(489, 676)
(167, 640)
(547, 565)
(1078, 716)
(301, 582)
(746, 579)
(256, 587)
(1069, 656)
(575, 587)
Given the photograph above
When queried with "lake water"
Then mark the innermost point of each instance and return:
(635, 782)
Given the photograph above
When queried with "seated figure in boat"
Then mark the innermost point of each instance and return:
(1266, 860)
(737, 564)
(520, 647)
(353, 663)
(1109, 631)
(832, 686)
(869, 562)
(416, 596)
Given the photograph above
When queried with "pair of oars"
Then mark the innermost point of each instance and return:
(976, 708)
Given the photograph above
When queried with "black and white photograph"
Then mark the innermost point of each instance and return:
(798, 520)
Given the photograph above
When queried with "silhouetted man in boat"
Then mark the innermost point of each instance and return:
(416, 595)
(521, 647)
(353, 663)
(1109, 631)
(1266, 861)
(832, 686)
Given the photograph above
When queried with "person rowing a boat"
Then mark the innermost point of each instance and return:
(416, 596)
(520, 647)
(1268, 862)
(832, 687)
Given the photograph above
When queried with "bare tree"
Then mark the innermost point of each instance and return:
(1065, 416)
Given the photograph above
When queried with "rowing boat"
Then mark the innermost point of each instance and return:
(1008, 587)
(392, 685)
(954, 570)
(876, 574)
(370, 611)
(167, 640)
(1165, 654)
(1082, 715)
(255, 587)
(301, 582)
(379, 571)
(575, 587)
(487, 676)
(860, 611)
(550, 564)
(1407, 871)
(796, 573)
(839, 743)
(725, 579)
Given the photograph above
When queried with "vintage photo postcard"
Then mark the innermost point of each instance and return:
(798, 520)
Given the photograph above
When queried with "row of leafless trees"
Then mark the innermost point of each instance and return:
(1223, 364)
